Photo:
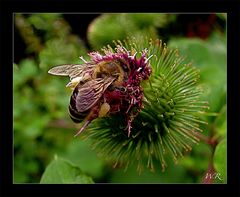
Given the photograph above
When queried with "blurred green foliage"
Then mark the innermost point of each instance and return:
(43, 129)
(110, 27)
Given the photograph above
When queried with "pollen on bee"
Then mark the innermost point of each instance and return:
(105, 107)
(73, 83)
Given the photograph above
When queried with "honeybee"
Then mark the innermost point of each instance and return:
(91, 83)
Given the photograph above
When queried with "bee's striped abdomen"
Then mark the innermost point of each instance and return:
(76, 116)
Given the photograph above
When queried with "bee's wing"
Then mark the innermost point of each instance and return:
(90, 92)
(71, 70)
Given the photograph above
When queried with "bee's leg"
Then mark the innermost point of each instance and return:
(130, 119)
(131, 104)
(83, 128)
(93, 114)
(114, 108)
(129, 126)
(104, 99)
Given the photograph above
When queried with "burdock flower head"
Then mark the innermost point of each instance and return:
(144, 102)
(125, 94)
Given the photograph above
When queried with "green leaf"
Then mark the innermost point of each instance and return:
(220, 159)
(104, 29)
(221, 122)
(87, 160)
(143, 20)
(61, 171)
(108, 27)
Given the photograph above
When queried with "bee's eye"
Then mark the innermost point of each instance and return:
(101, 75)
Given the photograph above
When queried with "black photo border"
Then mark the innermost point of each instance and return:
(231, 7)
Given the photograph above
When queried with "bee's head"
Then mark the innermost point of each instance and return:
(110, 68)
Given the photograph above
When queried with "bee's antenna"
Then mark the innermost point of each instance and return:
(81, 57)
